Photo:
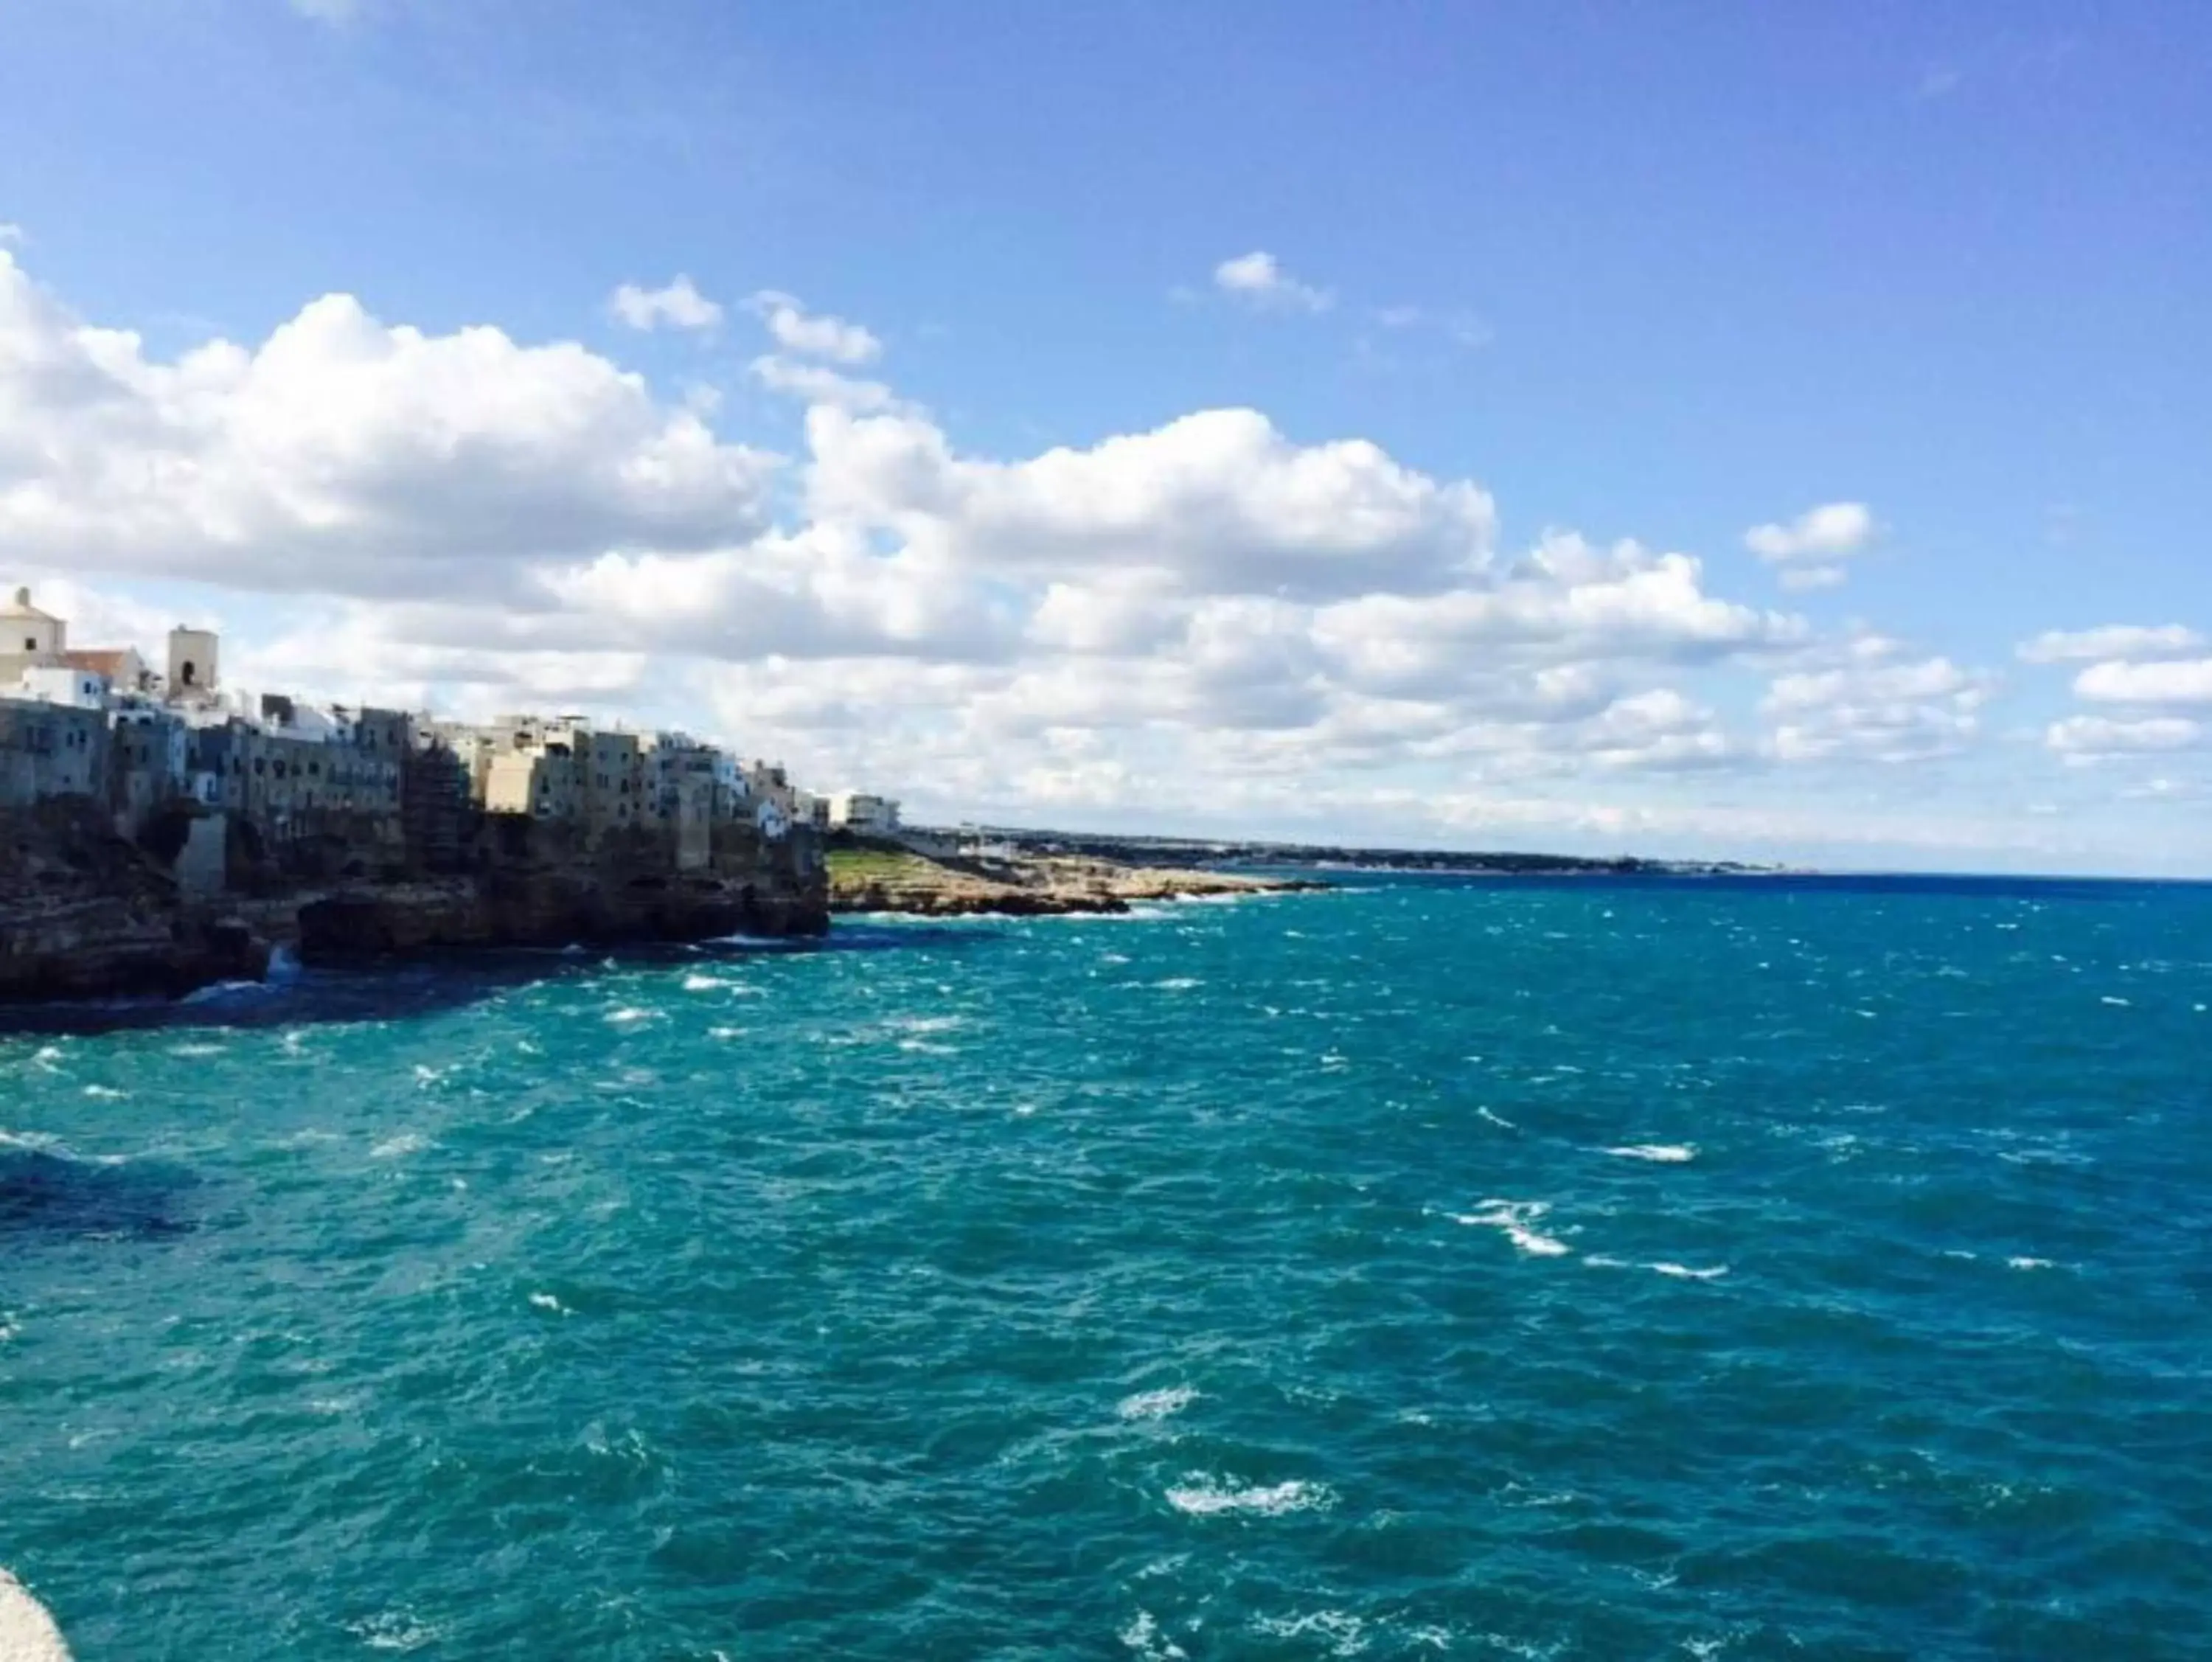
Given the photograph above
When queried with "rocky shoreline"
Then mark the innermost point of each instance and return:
(903, 882)
(88, 915)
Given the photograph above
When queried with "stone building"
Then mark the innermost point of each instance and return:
(50, 750)
(192, 654)
(29, 638)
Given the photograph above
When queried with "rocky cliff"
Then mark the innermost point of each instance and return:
(87, 914)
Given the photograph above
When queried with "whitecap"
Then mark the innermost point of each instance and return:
(2029, 1264)
(1142, 1635)
(407, 1143)
(222, 990)
(726, 1032)
(1207, 1497)
(1155, 1404)
(629, 1013)
(1683, 1272)
(1666, 1154)
(928, 1024)
(1496, 1119)
(1345, 1633)
(547, 1302)
(703, 984)
(1514, 1217)
(2118, 1003)
(104, 1092)
(1182, 983)
(394, 1630)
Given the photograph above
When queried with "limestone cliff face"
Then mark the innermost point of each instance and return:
(535, 883)
(593, 902)
(86, 914)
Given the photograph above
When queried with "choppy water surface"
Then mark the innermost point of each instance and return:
(1676, 1271)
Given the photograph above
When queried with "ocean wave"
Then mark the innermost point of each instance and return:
(1514, 1218)
(1665, 1154)
(407, 1143)
(221, 991)
(1209, 1497)
(1340, 1632)
(1155, 1404)
(1142, 1635)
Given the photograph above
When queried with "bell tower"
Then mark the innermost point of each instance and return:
(191, 662)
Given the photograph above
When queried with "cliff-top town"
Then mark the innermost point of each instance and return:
(103, 724)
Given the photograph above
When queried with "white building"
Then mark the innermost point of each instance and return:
(860, 811)
(59, 684)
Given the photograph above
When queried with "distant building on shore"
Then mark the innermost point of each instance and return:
(100, 724)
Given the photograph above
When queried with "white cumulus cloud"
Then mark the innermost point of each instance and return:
(678, 305)
(1822, 535)
(2098, 738)
(1259, 280)
(812, 334)
(2121, 641)
(342, 454)
(2175, 681)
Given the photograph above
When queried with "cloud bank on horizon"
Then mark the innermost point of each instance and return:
(1207, 624)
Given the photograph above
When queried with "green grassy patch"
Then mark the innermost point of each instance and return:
(875, 866)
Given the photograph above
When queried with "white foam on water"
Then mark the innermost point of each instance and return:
(547, 1302)
(222, 990)
(1142, 1635)
(629, 1013)
(1182, 983)
(407, 1143)
(1496, 1119)
(704, 984)
(104, 1092)
(1683, 1272)
(2029, 1264)
(1155, 1404)
(926, 1048)
(1514, 1218)
(1208, 1497)
(942, 1024)
(726, 1032)
(1343, 1633)
(2118, 1003)
(27, 1633)
(1666, 1154)
(395, 1630)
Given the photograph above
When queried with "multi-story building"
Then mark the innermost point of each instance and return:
(864, 813)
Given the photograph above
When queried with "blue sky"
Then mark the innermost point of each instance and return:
(1665, 274)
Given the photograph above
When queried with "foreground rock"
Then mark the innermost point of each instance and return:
(27, 1634)
(876, 880)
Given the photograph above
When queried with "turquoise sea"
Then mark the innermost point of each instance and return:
(1774, 1268)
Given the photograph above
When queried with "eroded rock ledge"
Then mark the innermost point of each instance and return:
(880, 879)
(86, 914)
